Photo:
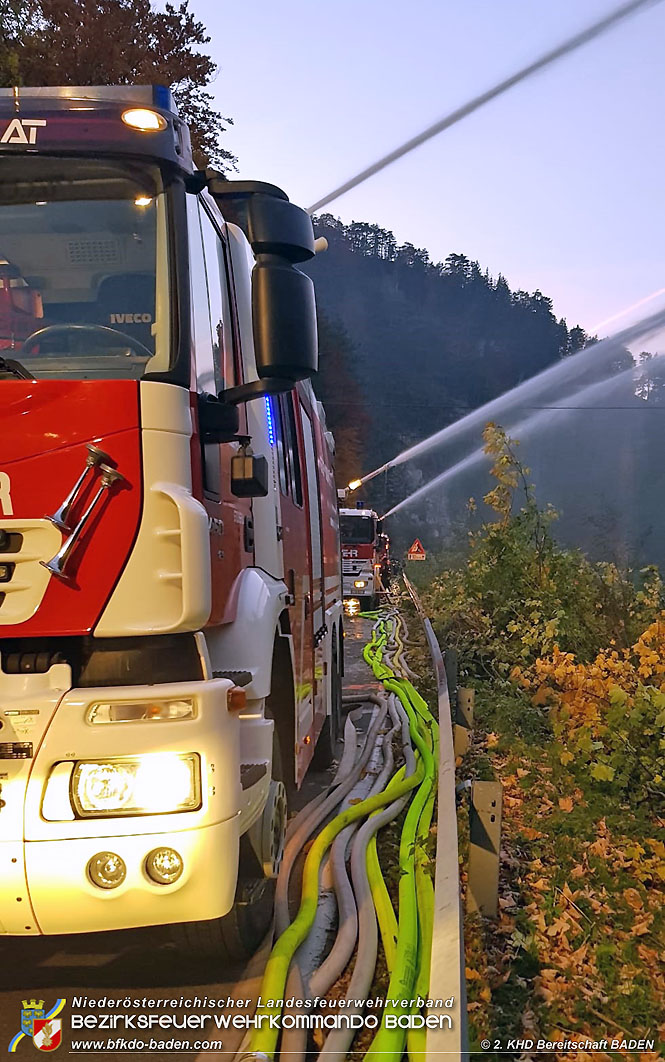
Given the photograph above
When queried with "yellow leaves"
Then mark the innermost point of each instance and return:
(566, 757)
(542, 695)
(566, 803)
(542, 885)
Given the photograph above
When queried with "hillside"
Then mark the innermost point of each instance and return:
(424, 342)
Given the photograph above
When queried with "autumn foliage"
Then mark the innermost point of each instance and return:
(608, 715)
(568, 662)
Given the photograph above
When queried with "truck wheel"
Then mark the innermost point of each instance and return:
(238, 934)
(326, 746)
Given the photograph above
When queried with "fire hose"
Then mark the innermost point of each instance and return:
(406, 938)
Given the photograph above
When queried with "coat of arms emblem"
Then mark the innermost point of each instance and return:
(42, 1026)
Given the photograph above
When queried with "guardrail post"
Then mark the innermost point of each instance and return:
(451, 664)
(485, 846)
(464, 720)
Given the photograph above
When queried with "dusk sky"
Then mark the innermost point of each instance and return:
(558, 184)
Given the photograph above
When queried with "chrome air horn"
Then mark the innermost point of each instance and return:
(61, 516)
(58, 564)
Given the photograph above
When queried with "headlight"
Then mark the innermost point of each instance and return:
(145, 785)
(359, 583)
(141, 711)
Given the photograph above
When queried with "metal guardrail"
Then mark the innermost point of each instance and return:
(447, 964)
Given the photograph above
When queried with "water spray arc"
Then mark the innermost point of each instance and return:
(564, 377)
(545, 60)
(539, 419)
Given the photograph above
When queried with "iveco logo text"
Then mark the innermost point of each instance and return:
(131, 318)
(6, 507)
(22, 131)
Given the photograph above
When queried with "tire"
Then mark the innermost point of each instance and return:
(236, 936)
(326, 746)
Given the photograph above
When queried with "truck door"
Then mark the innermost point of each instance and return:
(297, 569)
(316, 567)
(218, 366)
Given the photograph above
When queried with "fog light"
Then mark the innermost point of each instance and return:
(163, 865)
(107, 870)
(6, 572)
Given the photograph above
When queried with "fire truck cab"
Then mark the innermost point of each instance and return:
(170, 586)
(361, 575)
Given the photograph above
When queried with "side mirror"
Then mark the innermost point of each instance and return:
(283, 305)
(283, 321)
(218, 422)
(270, 222)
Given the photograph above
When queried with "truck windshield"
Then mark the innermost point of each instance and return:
(84, 269)
(356, 530)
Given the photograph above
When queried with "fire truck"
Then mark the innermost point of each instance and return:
(361, 562)
(170, 585)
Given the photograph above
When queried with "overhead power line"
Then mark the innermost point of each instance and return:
(563, 49)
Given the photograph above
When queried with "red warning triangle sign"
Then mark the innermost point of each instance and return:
(417, 550)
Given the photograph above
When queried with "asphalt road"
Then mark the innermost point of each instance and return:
(142, 964)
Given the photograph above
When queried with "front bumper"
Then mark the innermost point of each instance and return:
(44, 886)
(350, 590)
(60, 897)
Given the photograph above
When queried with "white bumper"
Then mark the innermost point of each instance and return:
(44, 886)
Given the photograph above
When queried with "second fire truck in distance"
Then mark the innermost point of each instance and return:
(362, 555)
(170, 587)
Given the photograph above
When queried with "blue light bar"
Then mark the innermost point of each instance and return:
(143, 95)
(270, 417)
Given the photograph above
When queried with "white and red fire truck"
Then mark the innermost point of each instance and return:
(361, 561)
(170, 587)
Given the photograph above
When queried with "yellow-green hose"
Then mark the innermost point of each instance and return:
(407, 938)
(277, 968)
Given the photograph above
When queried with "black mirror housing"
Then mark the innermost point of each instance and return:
(283, 305)
(218, 422)
(270, 222)
(283, 321)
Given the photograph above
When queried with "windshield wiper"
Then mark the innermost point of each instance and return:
(15, 367)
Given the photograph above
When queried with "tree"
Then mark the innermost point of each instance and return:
(116, 42)
(342, 398)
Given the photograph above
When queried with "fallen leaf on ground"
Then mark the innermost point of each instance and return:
(633, 899)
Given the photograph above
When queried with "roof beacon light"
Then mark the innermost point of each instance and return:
(145, 120)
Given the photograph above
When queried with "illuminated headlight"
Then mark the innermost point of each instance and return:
(141, 711)
(146, 785)
(360, 583)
